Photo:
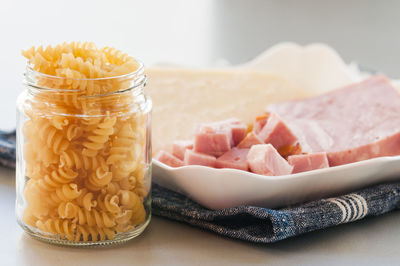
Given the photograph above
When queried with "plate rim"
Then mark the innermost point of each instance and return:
(279, 177)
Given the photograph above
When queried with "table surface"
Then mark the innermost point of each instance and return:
(198, 33)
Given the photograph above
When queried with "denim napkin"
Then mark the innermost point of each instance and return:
(7, 148)
(263, 225)
(255, 224)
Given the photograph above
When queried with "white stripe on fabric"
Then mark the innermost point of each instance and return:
(341, 207)
(347, 206)
(358, 204)
(364, 203)
(356, 211)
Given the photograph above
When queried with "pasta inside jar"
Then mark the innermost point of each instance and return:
(83, 146)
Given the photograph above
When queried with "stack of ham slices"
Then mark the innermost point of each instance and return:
(350, 124)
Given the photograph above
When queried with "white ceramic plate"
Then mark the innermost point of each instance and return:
(225, 188)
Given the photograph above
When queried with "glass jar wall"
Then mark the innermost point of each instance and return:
(83, 159)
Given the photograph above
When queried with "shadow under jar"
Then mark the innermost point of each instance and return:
(83, 158)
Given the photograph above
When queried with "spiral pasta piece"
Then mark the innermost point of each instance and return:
(95, 218)
(93, 233)
(34, 195)
(98, 179)
(140, 187)
(68, 210)
(57, 177)
(53, 139)
(138, 211)
(99, 138)
(67, 192)
(73, 132)
(124, 153)
(74, 159)
(109, 203)
(86, 201)
(56, 226)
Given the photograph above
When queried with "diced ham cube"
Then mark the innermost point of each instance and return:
(214, 144)
(222, 127)
(264, 159)
(260, 123)
(235, 129)
(238, 132)
(180, 146)
(238, 128)
(215, 138)
(168, 159)
(235, 158)
(206, 128)
(277, 133)
(250, 140)
(308, 162)
(196, 158)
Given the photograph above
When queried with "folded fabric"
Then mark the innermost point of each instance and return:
(257, 224)
(263, 225)
(7, 148)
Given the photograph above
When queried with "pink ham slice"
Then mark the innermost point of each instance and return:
(235, 158)
(250, 140)
(354, 123)
(196, 158)
(168, 159)
(180, 146)
(277, 133)
(308, 162)
(264, 159)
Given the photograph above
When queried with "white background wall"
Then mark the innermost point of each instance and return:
(196, 32)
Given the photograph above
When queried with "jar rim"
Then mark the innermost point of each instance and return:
(139, 70)
(138, 77)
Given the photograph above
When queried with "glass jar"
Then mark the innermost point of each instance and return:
(83, 160)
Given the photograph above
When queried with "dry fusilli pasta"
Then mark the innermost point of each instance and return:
(84, 147)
